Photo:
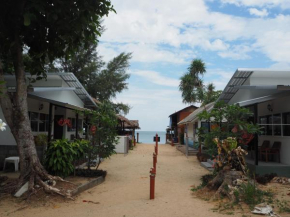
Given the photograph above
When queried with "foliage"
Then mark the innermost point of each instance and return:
(192, 87)
(61, 154)
(41, 140)
(102, 133)
(228, 121)
(205, 179)
(45, 30)
(229, 129)
(62, 27)
(251, 195)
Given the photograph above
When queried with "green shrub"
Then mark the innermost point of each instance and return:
(251, 195)
(61, 154)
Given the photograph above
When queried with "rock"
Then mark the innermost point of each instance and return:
(264, 209)
(22, 190)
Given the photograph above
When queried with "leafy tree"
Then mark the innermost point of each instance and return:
(192, 87)
(46, 30)
(103, 132)
(102, 81)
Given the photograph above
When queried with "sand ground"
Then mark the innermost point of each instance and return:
(125, 193)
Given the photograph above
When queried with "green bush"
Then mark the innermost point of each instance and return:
(61, 154)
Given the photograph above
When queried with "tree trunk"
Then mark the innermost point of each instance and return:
(15, 110)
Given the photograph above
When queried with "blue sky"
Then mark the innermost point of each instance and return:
(165, 35)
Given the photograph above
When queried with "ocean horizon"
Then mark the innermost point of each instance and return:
(146, 137)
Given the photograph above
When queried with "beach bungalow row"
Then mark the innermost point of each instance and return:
(55, 108)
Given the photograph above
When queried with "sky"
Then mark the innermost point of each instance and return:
(164, 36)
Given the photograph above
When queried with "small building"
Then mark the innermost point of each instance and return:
(175, 131)
(53, 106)
(266, 92)
(191, 123)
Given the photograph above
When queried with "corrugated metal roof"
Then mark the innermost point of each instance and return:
(80, 91)
(238, 79)
(193, 116)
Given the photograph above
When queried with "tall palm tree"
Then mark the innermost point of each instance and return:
(191, 81)
(192, 87)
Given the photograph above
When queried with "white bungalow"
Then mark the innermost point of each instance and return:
(51, 104)
(266, 93)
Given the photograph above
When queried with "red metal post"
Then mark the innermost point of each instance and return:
(152, 183)
(156, 138)
(172, 144)
(154, 161)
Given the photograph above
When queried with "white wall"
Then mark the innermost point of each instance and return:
(6, 137)
(279, 106)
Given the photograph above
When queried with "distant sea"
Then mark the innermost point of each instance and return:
(147, 136)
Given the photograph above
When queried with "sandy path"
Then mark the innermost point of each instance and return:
(125, 193)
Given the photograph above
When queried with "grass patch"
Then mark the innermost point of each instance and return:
(283, 206)
(205, 179)
(251, 195)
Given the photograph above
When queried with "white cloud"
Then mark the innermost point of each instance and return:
(157, 78)
(143, 52)
(284, 4)
(276, 45)
(163, 31)
(218, 77)
(258, 13)
(237, 52)
(170, 32)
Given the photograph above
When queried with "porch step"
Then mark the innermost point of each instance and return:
(207, 165)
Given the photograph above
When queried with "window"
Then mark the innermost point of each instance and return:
(34, 121)
(205, 126)
(286, 124)
(73, 125)
(276, 124)
(43, 122)
(38, 121)
(264, 123)
(277, 121)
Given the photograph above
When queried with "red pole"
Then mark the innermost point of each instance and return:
(172, 144)
(152, 183)
(156, 138)
(154, 161)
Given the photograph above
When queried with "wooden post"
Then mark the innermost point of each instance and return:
(137, 137)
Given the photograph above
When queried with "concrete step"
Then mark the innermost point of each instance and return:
(207, 165)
